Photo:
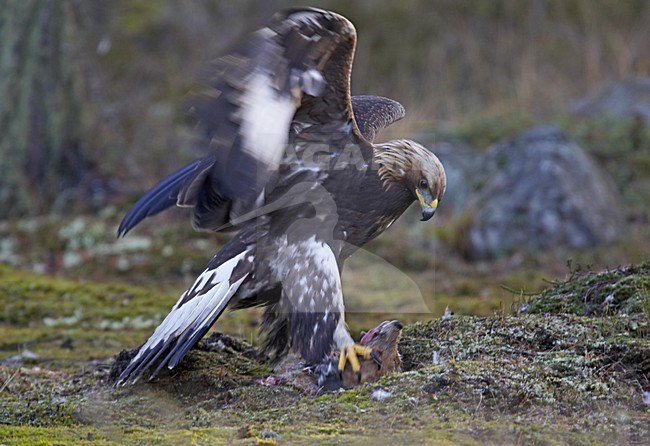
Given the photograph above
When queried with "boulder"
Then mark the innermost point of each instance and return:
(539, 191)
(620, 99)
(462, 164)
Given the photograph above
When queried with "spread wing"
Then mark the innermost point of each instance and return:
(374, 113)
(300, 64)
(285, 85)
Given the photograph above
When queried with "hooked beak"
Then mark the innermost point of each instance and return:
(428, 207)
(427, 213)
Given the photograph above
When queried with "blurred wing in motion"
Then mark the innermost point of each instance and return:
(252, 97)
(298, 67)
(371, 113)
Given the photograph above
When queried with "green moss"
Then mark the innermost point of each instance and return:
(535, 377)
(619, 291)
(41, 313)
(28, 436)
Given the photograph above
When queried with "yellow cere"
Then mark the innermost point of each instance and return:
(433, 204)
(417, 192)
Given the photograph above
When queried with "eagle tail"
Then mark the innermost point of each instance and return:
(158, 198)
(192, 316)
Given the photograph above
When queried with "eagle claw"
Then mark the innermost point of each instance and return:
(351, 354)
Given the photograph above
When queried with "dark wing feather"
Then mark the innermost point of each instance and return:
(158, 198)
(374, 113)
(301, 60)
(328, 119)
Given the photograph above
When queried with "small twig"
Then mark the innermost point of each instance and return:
(22, 345)
(8, 381)
(524, 353)
(453, 358)
(392, 422)
(520, 292)
(479, 404)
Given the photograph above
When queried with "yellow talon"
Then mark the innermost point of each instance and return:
(351, 354)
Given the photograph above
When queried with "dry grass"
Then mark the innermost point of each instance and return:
(447, 61)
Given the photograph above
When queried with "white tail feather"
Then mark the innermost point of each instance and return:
(211, 292)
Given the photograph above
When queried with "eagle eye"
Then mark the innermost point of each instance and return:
(423, 184)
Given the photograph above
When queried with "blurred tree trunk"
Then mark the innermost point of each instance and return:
(41, 97)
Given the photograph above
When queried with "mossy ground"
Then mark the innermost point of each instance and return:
(548, 373)
(538, 361)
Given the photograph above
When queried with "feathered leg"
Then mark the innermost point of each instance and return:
(312, 303)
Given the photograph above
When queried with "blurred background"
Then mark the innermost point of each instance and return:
(540, 111)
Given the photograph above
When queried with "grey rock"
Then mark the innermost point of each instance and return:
(540, 191)
(623, 98)
(269, 435)
(462, 164)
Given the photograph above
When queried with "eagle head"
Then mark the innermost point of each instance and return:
(408, 163)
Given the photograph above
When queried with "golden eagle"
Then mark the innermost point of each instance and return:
(294, 171)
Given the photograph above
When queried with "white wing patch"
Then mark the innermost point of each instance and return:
(266, 115)
(198, 309)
